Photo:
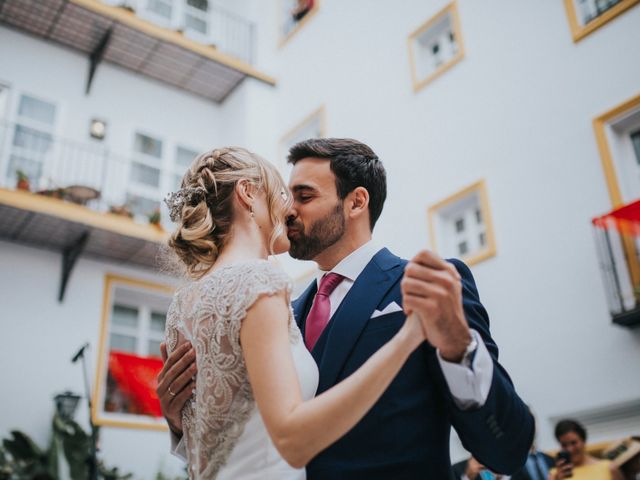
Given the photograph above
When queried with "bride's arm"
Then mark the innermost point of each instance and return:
(299, 429)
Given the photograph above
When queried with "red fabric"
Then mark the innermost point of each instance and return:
(137, 379)
(625, 219)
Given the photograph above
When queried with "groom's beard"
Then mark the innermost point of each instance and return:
(322, 234)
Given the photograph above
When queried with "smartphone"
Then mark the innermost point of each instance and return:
(564, 456)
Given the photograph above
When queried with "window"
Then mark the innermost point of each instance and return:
(460, 225)
(160, 11)
(635, 141)
(294, 14)
(129, 359)
(4, 102)
(184, 159)
(618, 136)
(196, 16)
(142, 206)
(435, 46)
(32, 144)
(145, 175)
(313, 126)
(586, 16)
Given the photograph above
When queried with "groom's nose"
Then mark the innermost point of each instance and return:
(291, 215)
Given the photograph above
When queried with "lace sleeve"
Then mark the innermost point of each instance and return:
(223, 402)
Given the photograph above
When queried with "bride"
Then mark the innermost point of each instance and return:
(253, 414)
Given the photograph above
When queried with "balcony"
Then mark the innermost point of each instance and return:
(188, 44)
(617, 236)
(77, 199)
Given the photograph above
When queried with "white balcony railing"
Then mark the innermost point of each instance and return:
(200, 20)
(61, 168)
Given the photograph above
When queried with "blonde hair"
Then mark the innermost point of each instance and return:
(205, 220)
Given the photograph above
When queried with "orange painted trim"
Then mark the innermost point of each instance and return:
(100, 377)
(81, 214)
(130, 19)
(579, 31)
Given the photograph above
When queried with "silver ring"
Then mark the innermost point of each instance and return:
(170, 392)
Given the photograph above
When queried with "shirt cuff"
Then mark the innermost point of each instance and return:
(178, 448)
(469, 385)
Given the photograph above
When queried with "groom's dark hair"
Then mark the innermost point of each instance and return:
(353, 163)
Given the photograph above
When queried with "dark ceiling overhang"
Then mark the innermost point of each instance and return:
(133, 43)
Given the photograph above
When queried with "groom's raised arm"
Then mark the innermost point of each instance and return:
(492, 421)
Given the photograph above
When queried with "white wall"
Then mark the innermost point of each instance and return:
(127, 101)
(40, 335)
(516, 111)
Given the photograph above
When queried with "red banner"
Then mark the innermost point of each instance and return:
(625, 219)
(137, 380)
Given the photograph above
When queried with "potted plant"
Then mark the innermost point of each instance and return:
(53, 193)
(23, 181)
(121, 210)
(154, 218)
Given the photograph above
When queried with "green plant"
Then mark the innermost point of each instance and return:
(22, 177)
(22, 459)
(154, 217)
(123, 210)
(162, 476)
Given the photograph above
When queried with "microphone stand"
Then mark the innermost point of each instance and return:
(92, 460)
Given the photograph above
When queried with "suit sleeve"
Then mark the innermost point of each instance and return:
(500, 432)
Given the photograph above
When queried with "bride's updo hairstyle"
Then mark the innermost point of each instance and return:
(204, 212)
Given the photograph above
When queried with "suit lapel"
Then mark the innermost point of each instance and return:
(370, 287)
(302, 304)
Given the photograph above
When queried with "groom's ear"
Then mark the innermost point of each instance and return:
(358, 202)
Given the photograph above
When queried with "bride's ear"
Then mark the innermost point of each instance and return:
(245, 193)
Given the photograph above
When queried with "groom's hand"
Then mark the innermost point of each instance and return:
(175, 383)
(432, 288)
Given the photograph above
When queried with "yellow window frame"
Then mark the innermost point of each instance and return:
(578, 31)
(480, 188)
(420, 83)
(111, 280)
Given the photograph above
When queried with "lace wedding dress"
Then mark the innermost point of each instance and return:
(225, 437)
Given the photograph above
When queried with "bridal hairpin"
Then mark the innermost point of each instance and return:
(175, 201)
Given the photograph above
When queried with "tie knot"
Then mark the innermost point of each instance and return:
(329, 283)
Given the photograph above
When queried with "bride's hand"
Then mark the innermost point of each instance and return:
(413, 330)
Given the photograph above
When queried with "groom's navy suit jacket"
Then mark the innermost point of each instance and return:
(406, 433)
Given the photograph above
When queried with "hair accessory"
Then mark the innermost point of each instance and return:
(176, 201)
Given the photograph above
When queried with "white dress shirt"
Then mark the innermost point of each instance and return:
(469, 384)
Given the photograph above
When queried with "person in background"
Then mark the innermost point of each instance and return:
(538, 464)
(572, 438)
(625, 454)
(472, 469)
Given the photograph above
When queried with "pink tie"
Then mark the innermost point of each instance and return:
(319, 314)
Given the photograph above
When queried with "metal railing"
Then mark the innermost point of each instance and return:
(58, 167)
(617, 236)
(203, 21)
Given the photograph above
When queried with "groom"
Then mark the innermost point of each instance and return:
(358, 302)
